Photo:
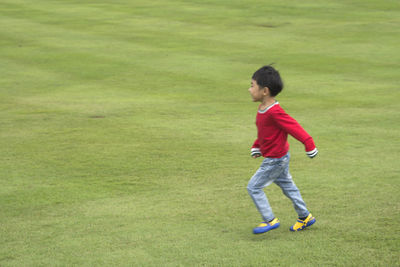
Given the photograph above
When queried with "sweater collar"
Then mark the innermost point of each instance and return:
(267, 108)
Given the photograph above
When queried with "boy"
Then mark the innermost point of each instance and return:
(273, 126)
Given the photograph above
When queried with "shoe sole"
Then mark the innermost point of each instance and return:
(256, 232)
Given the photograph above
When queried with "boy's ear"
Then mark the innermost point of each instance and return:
(266, 91)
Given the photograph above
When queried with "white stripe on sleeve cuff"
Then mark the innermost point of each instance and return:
(312, 153)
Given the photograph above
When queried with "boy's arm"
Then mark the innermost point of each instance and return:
(255, 149)
(292, 127)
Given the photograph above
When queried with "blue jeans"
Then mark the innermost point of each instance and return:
(275, 170)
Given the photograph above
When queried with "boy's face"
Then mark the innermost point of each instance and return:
(256, 92)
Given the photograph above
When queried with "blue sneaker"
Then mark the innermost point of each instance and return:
(265, 227)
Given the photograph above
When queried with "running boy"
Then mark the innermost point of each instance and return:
(273, 127)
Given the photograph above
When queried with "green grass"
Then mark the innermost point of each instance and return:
(125, 129)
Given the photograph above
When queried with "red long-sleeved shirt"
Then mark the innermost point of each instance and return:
(273, 126)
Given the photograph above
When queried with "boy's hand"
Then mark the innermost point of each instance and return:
(255, 153)
(312, 153)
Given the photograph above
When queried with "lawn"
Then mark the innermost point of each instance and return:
(126, 126)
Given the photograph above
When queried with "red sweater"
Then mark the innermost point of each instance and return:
(273, 126)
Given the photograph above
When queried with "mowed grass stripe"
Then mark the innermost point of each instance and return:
(308, 56)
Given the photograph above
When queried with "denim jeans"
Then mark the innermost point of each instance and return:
(275, 170)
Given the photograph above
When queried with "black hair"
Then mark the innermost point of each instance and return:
(269, 77)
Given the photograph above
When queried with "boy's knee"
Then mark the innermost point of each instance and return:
(251, 188)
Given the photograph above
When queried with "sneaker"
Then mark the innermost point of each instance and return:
(265, 227)
(300, 224)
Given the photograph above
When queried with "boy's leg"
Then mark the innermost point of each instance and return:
(289, 188)
(265, 175)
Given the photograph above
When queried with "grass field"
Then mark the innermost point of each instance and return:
(125, 130)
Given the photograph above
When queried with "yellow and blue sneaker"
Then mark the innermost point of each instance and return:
(266, 226)
(302, 224)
